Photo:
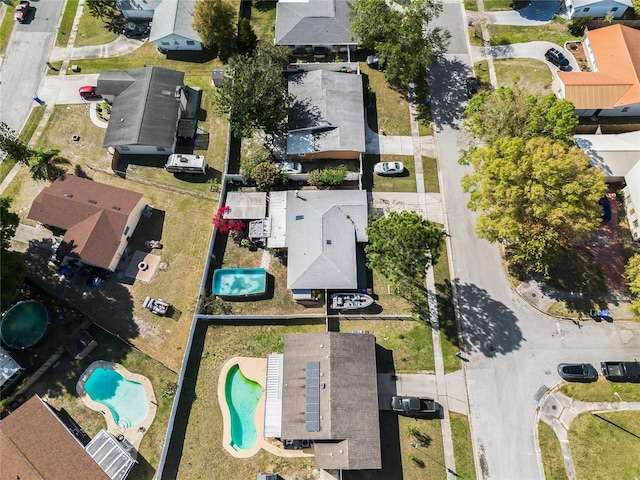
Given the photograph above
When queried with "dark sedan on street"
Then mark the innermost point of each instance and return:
(578, 372)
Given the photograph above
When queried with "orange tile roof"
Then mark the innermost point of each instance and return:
(617, 82)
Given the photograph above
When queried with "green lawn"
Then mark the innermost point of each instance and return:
(64, 29)
(551, 453)
(25, 135)
(471, 5)
(263, 20)
(6, 27)
(602, 391)
(430, 172)
(601, 450)
(388, 110)
(462, 446)
(59, 386)
(446, 314)
(529, 75)
(92, 31)
(555, 31)
(502, 5)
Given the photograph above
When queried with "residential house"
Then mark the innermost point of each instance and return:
(314, 25)
(612, 87)
(326, 116)
(138, 10)
(172, 19)
(323, 389)
(596, 8)
(98, 219)
(37, 445)
(152, 109)
(321, 231)
(618, 156)
(172, 26)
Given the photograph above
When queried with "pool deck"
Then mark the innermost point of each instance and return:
(254, 369)
(132, 435)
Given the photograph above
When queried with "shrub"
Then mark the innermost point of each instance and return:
(248, 163)
(328, 176)
(267, 175)
(247, 39)
(578, 25)
(225, 225)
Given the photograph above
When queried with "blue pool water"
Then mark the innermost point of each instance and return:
(242, 397)
(235, 282)
(126, 399)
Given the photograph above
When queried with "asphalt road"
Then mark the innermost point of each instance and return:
(513, 349)
(25, 61)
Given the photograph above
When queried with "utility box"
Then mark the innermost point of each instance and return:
(179, 163)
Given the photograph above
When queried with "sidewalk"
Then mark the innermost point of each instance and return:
(558, 411)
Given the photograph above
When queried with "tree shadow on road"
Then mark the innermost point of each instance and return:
(447, 87)
(489, 326)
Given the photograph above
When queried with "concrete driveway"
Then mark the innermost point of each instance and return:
(64, 89)
(538, 12)
(535, 50)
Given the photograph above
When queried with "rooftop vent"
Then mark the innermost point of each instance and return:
(299, 217)
(92, 202)
(68, 195)
(116, 208)
(328, 242)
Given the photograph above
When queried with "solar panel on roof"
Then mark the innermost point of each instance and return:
(312, 396)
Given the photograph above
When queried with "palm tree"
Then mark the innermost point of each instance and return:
(47, 164)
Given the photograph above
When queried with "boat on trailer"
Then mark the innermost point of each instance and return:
(156, 305)
(350, 301)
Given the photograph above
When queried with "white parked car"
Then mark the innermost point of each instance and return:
(290, 167)
(388, 168)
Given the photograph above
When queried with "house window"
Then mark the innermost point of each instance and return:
(126, 230)
(586, 9)
(160, 149)
(190, 42)
(125, 149)
(164, 43)
(614, 9)
(625, 109)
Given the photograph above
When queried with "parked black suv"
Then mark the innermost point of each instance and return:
(556, 57)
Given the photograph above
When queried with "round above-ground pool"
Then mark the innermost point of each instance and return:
(126, 399)
(242, 396)
(24, 324)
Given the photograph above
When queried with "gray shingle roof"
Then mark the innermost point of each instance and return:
(322, 229)
(327, 113)
(145, 111)
(313, 22)
(348, 401)
(174, 17)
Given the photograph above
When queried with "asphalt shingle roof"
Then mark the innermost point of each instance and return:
(313, 22)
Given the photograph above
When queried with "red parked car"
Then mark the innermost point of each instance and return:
(22, 10)
(89, 92)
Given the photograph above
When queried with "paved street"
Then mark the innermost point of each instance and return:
(513, 349)
(25, 61)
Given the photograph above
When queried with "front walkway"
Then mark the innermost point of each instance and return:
(558, 411)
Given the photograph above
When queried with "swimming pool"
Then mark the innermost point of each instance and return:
(242, 396)
(24, 324)
(125, 399)
(239, 282)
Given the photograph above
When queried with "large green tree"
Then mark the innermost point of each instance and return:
(109, 13)
(509, 112)
(215, 22)
(256, 94)
(402, 245)
(47, 164)
(536, 196)
(12, 269)
(632, 270)
(11, 144)
(401, 35)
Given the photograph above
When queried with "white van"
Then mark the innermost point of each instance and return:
(179, 163)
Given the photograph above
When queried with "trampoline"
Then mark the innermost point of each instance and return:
(24, 324)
